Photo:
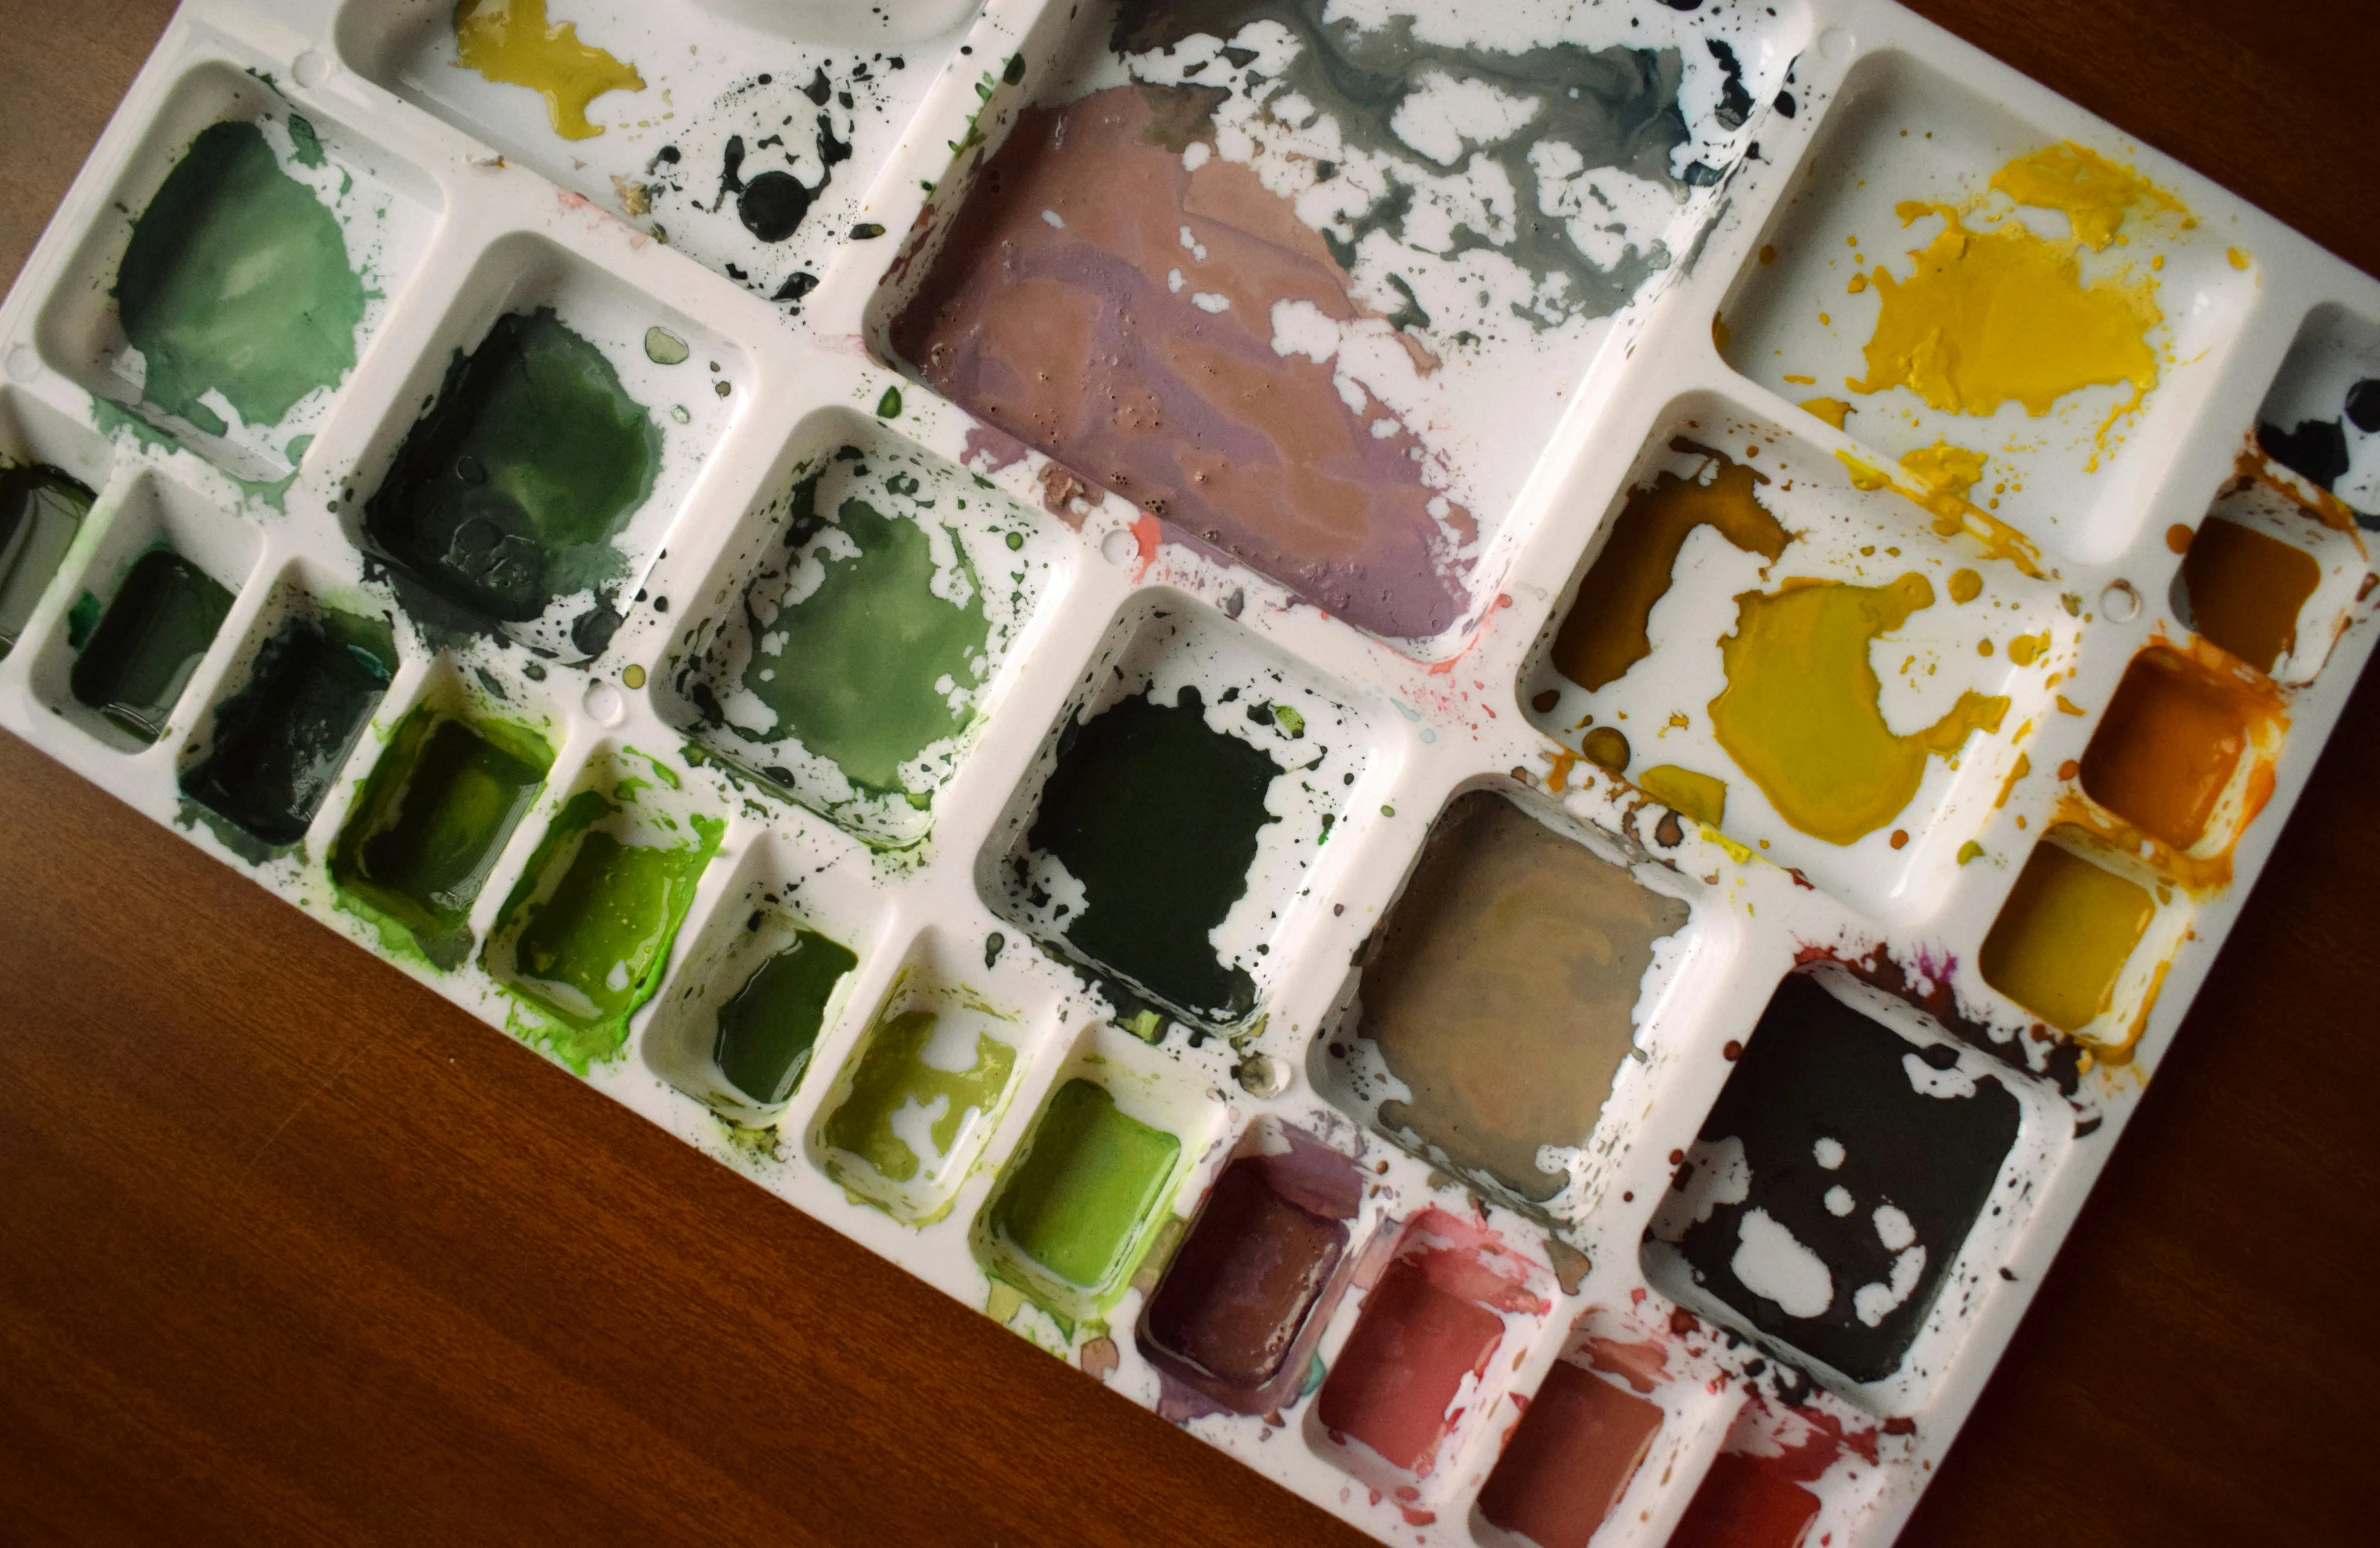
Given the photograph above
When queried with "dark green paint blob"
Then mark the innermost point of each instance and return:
(856, 679)
(305, 144)
(140, 658)
(506, 495)
(41, 510)
(892, 1074)
(766, 1033)
(236, 279)
(1157, 816)
(281, 740)
(82, 621)
(1079, 1202)
(434, 814)
(586, 933)
(889, 406)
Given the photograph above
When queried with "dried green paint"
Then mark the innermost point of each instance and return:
(163, 620)
(768, 1031)
(892, 1079)
(41, 511)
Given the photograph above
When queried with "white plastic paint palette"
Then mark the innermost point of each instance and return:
(883, 978)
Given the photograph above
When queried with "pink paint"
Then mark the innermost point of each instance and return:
(1642, 1365)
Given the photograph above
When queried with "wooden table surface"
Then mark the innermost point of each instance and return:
(291, 1250)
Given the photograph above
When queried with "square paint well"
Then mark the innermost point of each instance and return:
(2169, 747)
(1572, 1456)
(769, 1027)
(435, 813)
(2061, 941)
(161, 623)
(1074, 1214)
(1835, 1182)
(919, 1101)
(1246, 1295)
(1742, 1504)
(1500, 994)
(41, 511)
(2246, 590)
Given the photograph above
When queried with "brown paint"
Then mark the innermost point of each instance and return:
(2171, 740)
(2247, 590)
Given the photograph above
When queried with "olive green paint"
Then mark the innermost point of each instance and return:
(433, 816)
(585, 935)
(41, 511)
(236, 280)
(280, 741)
(1080, 1202)
(506, 495)
(767, 1032)
(891, 1075)
(164, 618)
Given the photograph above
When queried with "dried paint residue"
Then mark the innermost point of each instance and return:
(2064, 935)
(2169, 746)
(1801, 713)
(510, 43)
(1103, 302)
(2093, 192)
(1609, 627)
(1939, 478)
(2246, 590)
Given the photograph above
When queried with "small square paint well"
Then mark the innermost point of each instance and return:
(2169, 747)
(1501, 993)
(41, 510)
(2062, 939)
(768, 1029)
(1417, 1364)
(435, 813)
(1577, 1447)
(1742, 1504)
(279, 742)
(584, 937)
(1834, 1183)
(160, 624)
(1073, 1215)
(2247, 590)
(919, 1101)
(1246, 1295)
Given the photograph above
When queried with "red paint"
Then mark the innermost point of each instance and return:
(1145, 534)
(1744, 1504)
(1570, 1460)
(1642, 1365)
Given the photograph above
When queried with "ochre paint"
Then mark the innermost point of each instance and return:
(1693, 795)
(1835, 411)
(1578, 1444)
(510, 42)
(2168, 746)
(1801, 713)
(2064, 935)
(1608, 630)
(1939, 477)
(2247, 589)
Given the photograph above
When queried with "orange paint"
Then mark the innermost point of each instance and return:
(2168, 746)
(2247, 590)
(2177, 538)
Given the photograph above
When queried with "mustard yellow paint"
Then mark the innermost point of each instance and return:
(1938, 478)
(2093, 192)
(1991, 317)
(2064, 935)
(2026, 649)
(1607, 748)
(2239, 259)
(1965, 586)
(1801, 713)
(1970, 850)
(1698, 797)
(510, 42)
(1833, 410)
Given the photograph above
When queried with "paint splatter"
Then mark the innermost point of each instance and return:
(510, 42)
(1609, 626)
(1801, 711)
(1698, 796)
(2061, 940)
(2094, 193)
(236, 281)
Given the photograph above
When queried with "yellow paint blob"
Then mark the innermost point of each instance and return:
(1607, 630)
(1607, 748)
(2239, 259)
(2093, 192)
(1697, 797)
(1965, 586)
(1995, 316)
(1970, 851)
(2063, 937)
(1801, 713)
(1938, 478)
(510, 43)
(1833, 410)
(2026, 649)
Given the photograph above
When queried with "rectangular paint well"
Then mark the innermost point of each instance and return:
(161, 623)
(766, 1033)
(1578, 1445)
(1502, 990)
(920, 1100)
(1244, 1299)
(2245, 590)
(587, 931)
(41, 510)
(1411, 1370)
(1835, 1182)
(1742, 1504)
(434, 814)
(1078, 1207)
(2062, 938)
(2168, 746)
(281, 739)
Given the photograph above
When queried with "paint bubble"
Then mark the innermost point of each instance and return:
(2119, 602)
(1262, 1075)
(310, 69)
(23, 364)
(604, 704)
(1118, 547)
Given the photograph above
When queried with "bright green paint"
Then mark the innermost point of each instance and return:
(145, 650)
(1077, 1204)
(434, 814)
(767, 1031)
(236, 279)
(892, 1076)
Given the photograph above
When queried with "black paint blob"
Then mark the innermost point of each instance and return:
(772, 205)
(2317, 448)
(2363, 405)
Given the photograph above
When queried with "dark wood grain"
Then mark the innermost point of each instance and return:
(292, 1251)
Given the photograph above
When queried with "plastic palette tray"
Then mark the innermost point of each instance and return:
(1082, 947)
